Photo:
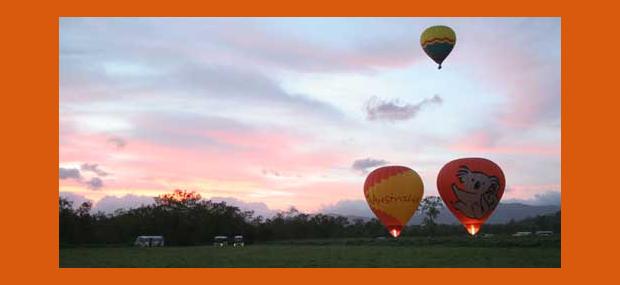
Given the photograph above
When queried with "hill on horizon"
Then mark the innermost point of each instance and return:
(503, 214)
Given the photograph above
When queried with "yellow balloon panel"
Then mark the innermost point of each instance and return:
(437, 34)
(397, 196)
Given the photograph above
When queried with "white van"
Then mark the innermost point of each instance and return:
(544, 233)
(220, 241)
(238, 241)
(522, 234)
(149, 241)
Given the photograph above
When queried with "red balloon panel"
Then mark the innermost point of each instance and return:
(471, 188)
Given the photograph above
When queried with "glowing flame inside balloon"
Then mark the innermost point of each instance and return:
(472, 229)
(395, 232)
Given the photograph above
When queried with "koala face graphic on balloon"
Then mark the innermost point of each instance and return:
(478, 195)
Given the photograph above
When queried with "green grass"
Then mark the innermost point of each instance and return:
(313, 254)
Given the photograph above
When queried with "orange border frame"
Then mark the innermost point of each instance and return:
(30, 49)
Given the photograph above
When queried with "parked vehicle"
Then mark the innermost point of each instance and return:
(238, 241)
(544, 233)
(522, 234)
(149, 241)
(220, 241)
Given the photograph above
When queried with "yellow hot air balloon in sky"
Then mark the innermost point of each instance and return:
(393, 194)
(438, 42)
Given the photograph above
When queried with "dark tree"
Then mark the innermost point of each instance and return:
(184, 218)
(430, 207)
(178, 198)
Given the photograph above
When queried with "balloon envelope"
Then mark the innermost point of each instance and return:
(471, 188)
(438, 42)
(393, 194)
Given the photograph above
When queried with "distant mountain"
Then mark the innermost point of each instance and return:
(516, 211)
(503, 214)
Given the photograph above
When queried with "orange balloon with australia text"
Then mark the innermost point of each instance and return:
(393, 194)
(471, 188)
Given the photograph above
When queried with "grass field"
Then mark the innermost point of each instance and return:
(324, 254)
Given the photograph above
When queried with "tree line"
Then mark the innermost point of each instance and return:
(184, 218)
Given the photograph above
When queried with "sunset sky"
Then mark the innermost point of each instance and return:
(283, 112)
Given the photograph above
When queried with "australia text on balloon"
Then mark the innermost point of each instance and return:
(391, 198)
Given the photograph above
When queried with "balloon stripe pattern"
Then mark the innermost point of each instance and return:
(382, 174)
(437, 42)
(393, 194)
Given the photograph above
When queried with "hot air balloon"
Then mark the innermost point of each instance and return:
(471, 188)
(393, 194)
(438, 42)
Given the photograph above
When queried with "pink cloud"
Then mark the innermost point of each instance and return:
(81, 147)
(237, 171)
(482, 142)
(518, 66)
(255, 139)
(311, 196)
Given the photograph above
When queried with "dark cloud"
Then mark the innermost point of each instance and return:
(94, 183)
(69, 173)
(358, 208)
(364, 164)
(93, 168)
(117, 142)
(394, 110)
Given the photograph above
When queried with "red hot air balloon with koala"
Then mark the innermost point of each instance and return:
(471, 188)
(393, 194)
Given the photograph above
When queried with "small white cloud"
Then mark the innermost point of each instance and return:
(101, 123)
